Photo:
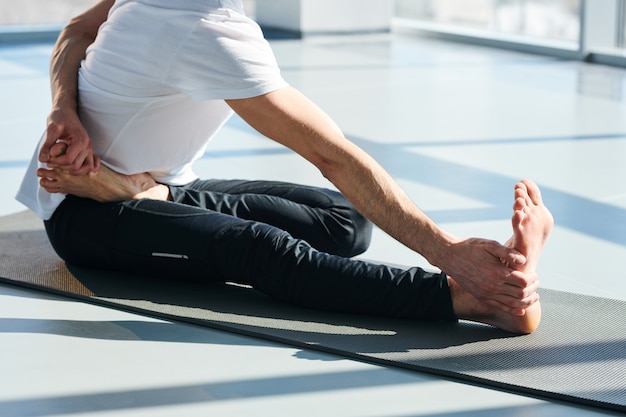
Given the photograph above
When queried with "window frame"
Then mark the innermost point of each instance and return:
(602, 39)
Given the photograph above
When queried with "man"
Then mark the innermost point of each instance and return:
(157, 81)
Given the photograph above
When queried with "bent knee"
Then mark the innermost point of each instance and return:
(363, 235)
(355, 238)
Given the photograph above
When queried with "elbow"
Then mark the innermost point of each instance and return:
(329, 169)
(335, 163)
(77, 29)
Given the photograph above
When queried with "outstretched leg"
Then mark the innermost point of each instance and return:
(532, 224)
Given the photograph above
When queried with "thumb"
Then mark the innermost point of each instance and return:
(52, 135)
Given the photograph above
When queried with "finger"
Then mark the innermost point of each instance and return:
(73, 161)
(533, 285)
(71, 156)
(517, 296)
(521, 279)
(527, 301)
(53, 132)
(96, 164)
(515, 311)
(512, 296)
(516, 305)
(529, 291)
(506, 255)
(513, 306)
(58, 149)
(75, 155)
(91, 164)
(88, 165)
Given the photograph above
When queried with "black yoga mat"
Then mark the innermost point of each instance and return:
(578, 354)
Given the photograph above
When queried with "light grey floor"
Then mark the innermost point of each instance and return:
(456, 125)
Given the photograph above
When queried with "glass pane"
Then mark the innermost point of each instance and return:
(468, 13)
(622, 25)
(549, 19)
(250, 7)
(40, 12)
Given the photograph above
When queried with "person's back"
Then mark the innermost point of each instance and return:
(153, 83)
(128, 102)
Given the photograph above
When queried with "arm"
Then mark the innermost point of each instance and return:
(76, 153)
(287, 117)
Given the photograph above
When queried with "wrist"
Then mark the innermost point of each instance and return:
(64, 103)
(438, 252)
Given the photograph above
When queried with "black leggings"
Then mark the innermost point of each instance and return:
(292, 242)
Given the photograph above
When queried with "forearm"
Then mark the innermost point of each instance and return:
(66, 58)
(64, 125)
(70, 50)
(379, 197)
(289, 118)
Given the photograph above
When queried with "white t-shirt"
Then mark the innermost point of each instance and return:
(153, 84)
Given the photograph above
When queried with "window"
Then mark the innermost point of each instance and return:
(622, 24)
(549, 19)
(40, 12)
(573, 29)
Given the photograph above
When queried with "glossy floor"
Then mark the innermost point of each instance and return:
(457, 125)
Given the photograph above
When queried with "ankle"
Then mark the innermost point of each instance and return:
(135, 184)
(467, 307)
(157, 192)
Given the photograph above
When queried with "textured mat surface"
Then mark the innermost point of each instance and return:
(578, 354)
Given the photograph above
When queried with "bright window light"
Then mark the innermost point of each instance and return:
(553, 20)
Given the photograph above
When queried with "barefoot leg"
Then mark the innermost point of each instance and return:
(532, 223)
(105, 185)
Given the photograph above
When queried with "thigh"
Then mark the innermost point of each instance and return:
(157, 238)
(298, 193)
(322, 217)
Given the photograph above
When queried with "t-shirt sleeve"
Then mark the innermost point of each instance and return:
(225, 57)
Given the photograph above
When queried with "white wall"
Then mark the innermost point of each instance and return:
(325, 16)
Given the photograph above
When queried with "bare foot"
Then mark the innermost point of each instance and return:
(467, 307)
(105, 185)
(532, 223)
